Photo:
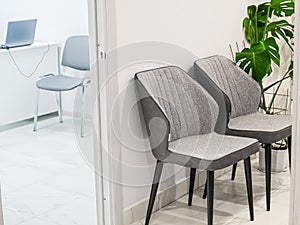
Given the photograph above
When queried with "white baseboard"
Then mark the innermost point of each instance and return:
(77, 115)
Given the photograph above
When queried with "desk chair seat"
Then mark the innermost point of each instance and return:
(75, 56)
(180, 118)
(239, 97)
(59, 83)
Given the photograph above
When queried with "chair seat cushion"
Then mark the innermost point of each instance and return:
(59, 83)
(211, 151)
(266, 128)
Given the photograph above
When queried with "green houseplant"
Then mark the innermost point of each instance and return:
(264, 26)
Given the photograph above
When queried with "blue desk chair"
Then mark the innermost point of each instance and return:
(75, 56)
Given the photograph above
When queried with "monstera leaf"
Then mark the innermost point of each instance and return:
(283, 8)
(254, 25)
(272, 48)
(257, 59)
(282, 29)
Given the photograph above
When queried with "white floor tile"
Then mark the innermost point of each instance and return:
(36, 199)
(77, 212)
(78, 181)
(37, 222)
(12, 217)
(44, 176)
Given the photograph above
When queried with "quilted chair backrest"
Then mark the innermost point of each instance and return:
(242, 90)
(188, 108)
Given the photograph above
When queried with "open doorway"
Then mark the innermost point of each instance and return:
(47, 176)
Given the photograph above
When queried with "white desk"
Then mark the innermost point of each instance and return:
(18, 93)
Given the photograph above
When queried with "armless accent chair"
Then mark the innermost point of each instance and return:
(180, 117)
(242, 94)
(75, 56)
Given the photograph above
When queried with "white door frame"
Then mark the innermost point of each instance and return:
(295, 176)
(102, 29)
(1, 210)
(97, 33)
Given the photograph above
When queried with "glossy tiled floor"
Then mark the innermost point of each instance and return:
(46, 181)
(231, 207)
(44, 178)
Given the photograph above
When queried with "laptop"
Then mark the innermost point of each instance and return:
(20, 33)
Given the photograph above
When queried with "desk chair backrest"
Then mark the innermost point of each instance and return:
(242, 90)
(171, 94)
(76, 53)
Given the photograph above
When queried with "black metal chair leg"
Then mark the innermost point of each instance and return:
(192, 183)
(290, 151)
(268, 163)
(210, 196)
(247, 163)
(156, 179)
(205, 191)
(233, 171)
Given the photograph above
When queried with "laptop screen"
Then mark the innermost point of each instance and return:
(20, 33)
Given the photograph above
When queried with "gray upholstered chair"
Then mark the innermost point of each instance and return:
(180, 117)
(241, 95)
(75, 56)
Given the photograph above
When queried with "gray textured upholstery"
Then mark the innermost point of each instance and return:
(76, 53)
(241, 89)
(172, 102)
(59, 83)
(213, 151)
(244, 97)
(189, 108)
(265, 128)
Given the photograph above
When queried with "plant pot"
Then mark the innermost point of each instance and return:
(279, 160)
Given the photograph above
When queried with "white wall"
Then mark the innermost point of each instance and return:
(56, 21)
(201, 27)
